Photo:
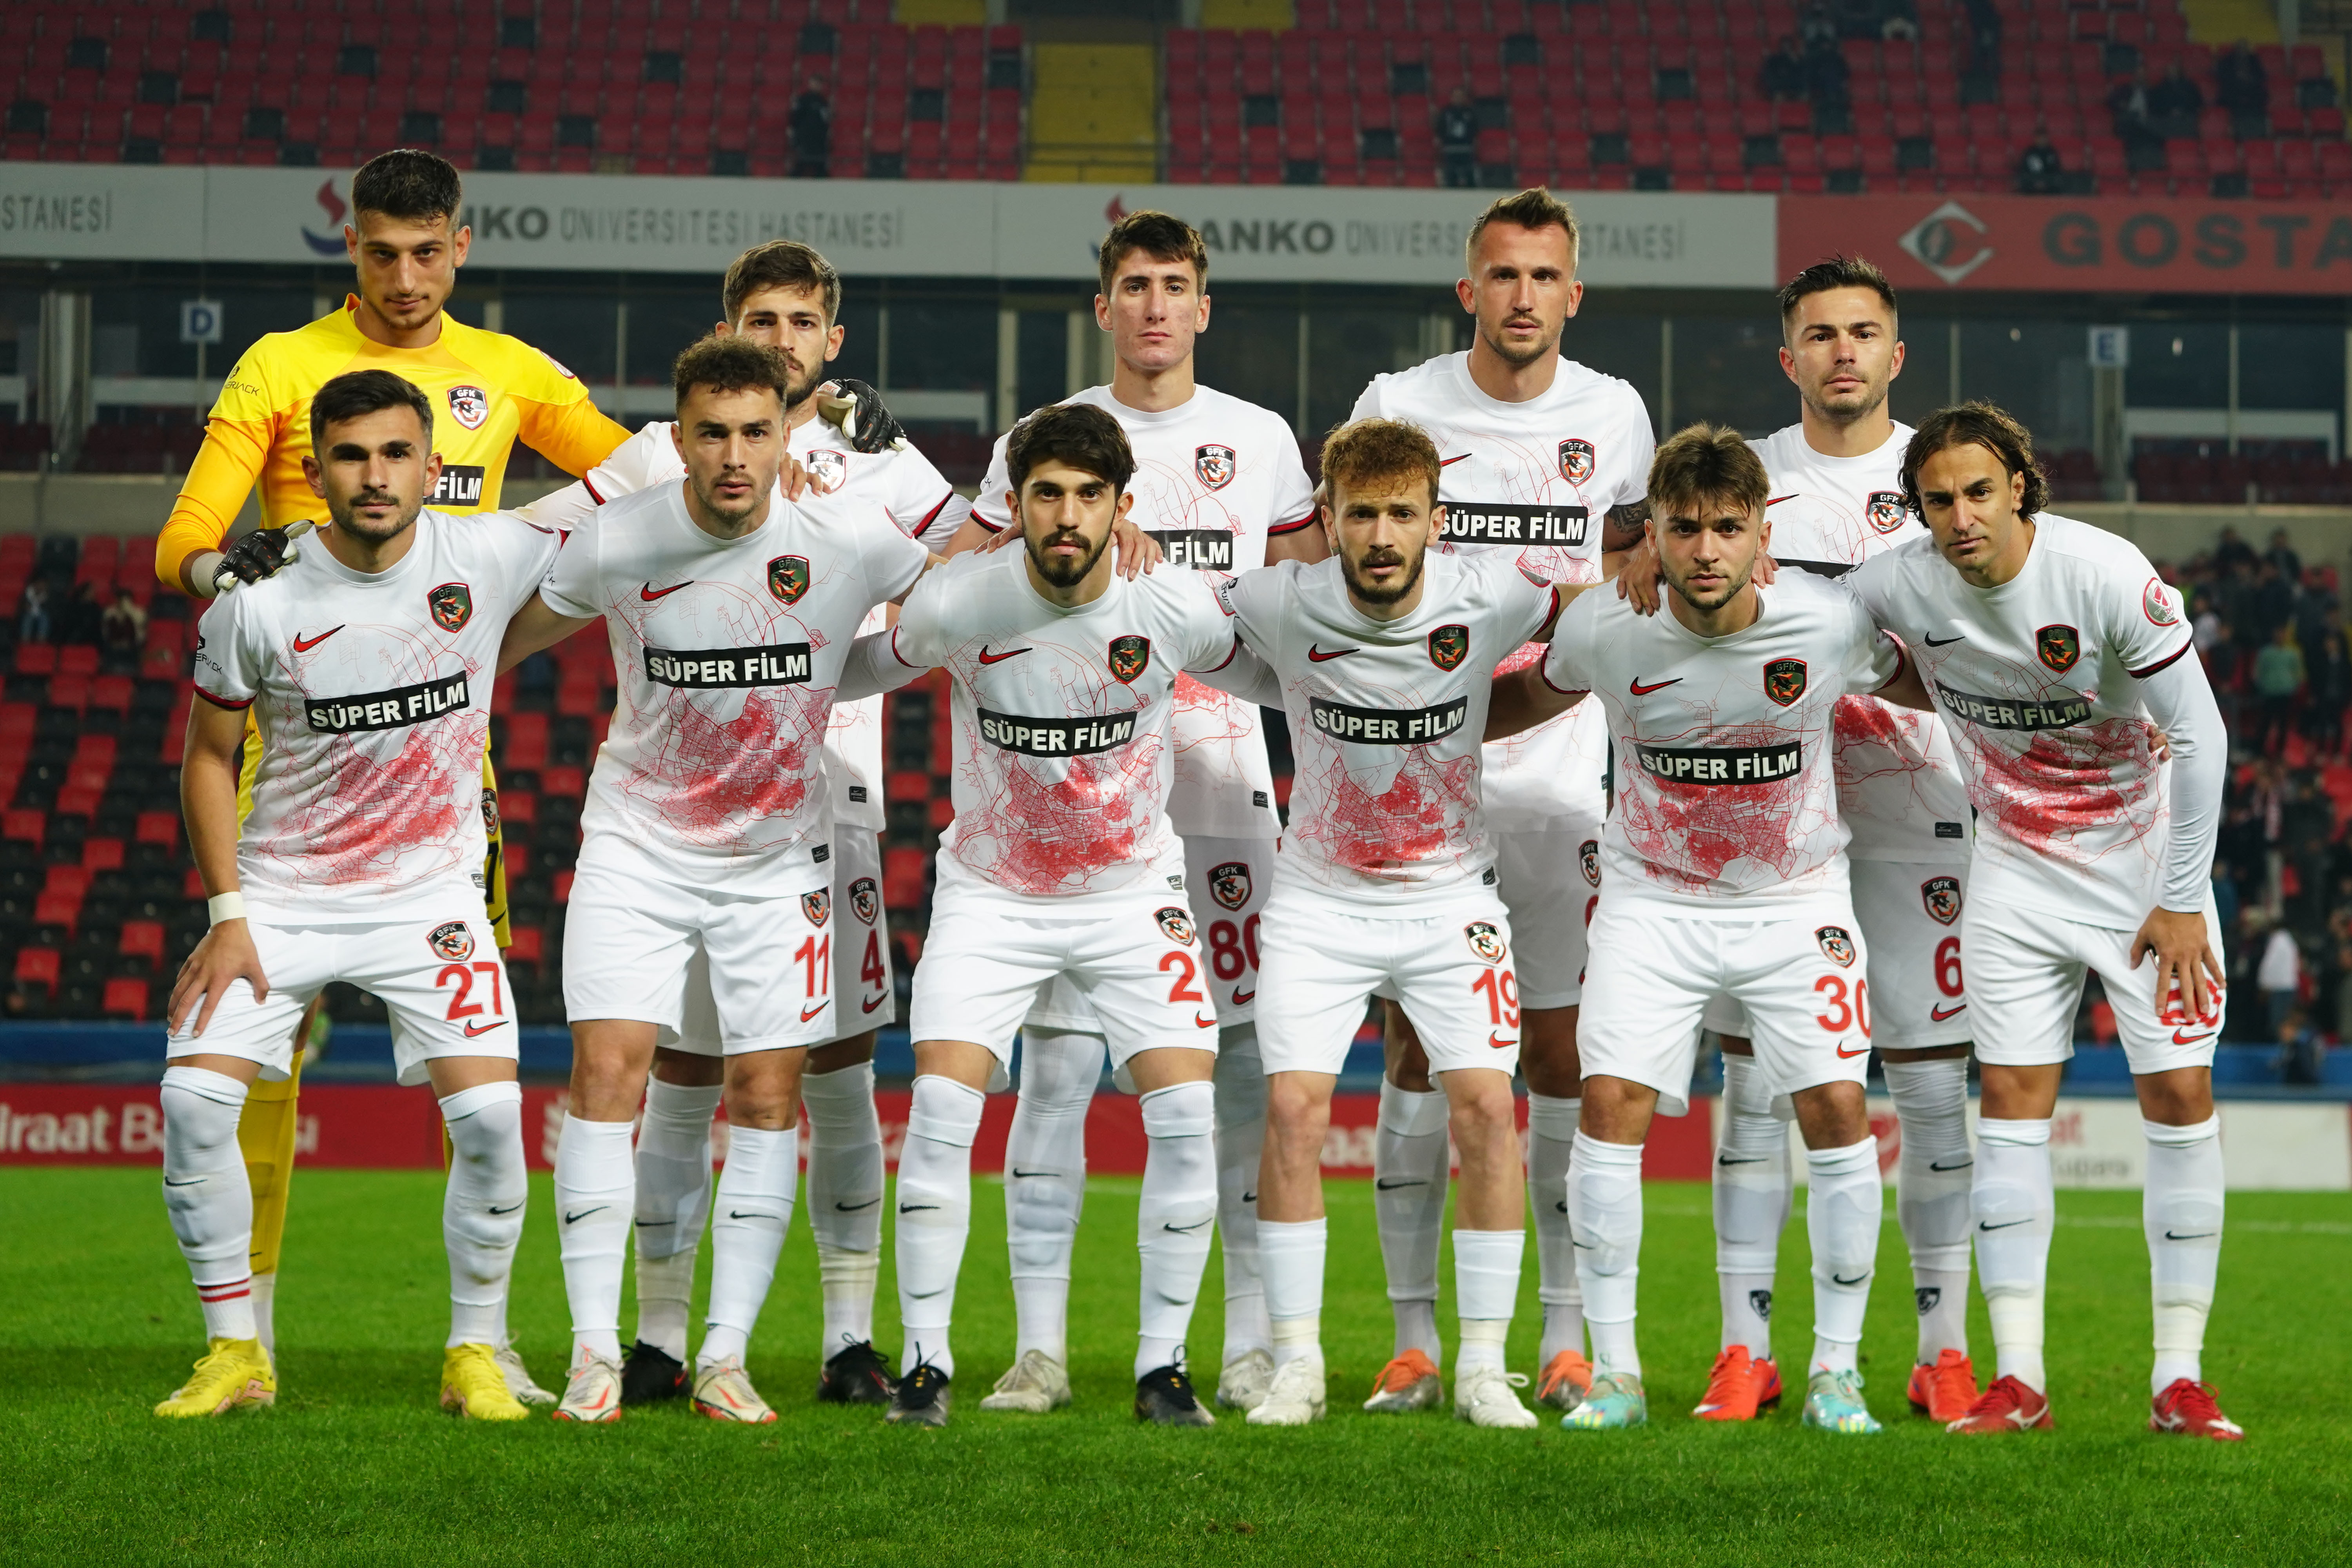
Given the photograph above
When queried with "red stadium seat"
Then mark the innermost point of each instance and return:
(58, 909)
(142, 939)
(529, 946)
(21, 827)
(159, 828)
(38, 966)
(125, 997)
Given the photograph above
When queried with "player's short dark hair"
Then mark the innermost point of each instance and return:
(1533, 207)
(1078, 434)
(1979, 424)
(1163, 237)
(362, 392)
(781, 264)
(1836, 272)
(730, 363)
(1707, 463)
(408, 183)
(1364, 451)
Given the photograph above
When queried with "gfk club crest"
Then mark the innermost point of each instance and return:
(817, 906)
(788, 578)
(1942, 897)
(829, 468)
(1576, 460)
(1836, 945)
(1784, 681)
(1129, 656)
(2059, 648)
(452, 605)
(1449, 646)
(1588, 859)
(1884, 511)
(865, 900)
(469, 405)
(490, 812)
(1485, 940)
(1215, 465)
(1229, 884)
(452, 939)
(1177, 923)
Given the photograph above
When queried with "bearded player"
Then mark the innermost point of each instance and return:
(1539, 453)
(2052, 645)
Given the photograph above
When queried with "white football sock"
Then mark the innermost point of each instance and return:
(265, 1309)
(1173, 1223)
(481, 1211)
(595, 1196)
(1241, 1138)
(1411, 1158)
(2181, 1210)
(1844, 1207)
(845, 1200)
(673, 1202)
(208, 1195)
(2014, 1209)
(934, 1215)
(1486, 1287)
(1290, 1254)
(1045, 1181)
(1604, 1206)
(1551, 1133)
(1753, 1192)
(748, 1217)
(1932, 1177)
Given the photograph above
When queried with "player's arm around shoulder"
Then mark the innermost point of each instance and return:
(570, 597)
(1535, 694)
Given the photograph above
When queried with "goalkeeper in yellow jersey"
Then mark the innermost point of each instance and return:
(406, 241)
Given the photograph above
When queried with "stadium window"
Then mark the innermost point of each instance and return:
(1251, 352)
(2291, 364)
(1345, 349)
(574, 326)
(1716, 364)
(944, 345)
(2195, 375)
(2040, 375)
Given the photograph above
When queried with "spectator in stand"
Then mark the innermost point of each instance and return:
(1457, 140)
(2230, 551)
(1897, 20)
(1984, 38)
(1828, 78)
(2224, 671)
(123, 631)
(810, 124)
(1818, 28)
(2281, 555)
(2317, 610)
(1784, 70)
(2127, 110)
(2301, 1050)
(83, 620)
(2328, 676)
(32, 613)
(2278, 681)
(2240, 85)
(2279, 977)
(2174, 103)
(2225, 894)
(2205, 625)
(2273, 598)
(2040, 172)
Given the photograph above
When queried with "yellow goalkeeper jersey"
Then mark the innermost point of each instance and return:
(488, 389)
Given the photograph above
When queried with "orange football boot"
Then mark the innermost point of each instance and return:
(1410, 1381)
(2007, 1407)
(1738, 1388)
(1945, 1391)
(1566, 1378)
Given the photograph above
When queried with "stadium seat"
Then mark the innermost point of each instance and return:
(38, 966)
(125, 997)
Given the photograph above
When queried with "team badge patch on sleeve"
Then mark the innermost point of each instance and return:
(1576, 460)
(1884, 511)
(1784, 681)
(1215, 465)
(1587, 858)
(490, 812)
(1229, 884)
(452, 939)
(1449, 646)
(1836, 945)
(452, 605)
(1485, 940)
(827, 468)
(1177, 923)
(469, 405)
(817, 906)
(2059, 648)
(1942, 897)
(1129, 656)
(2156, 603)
(864, 902)
(788, 578)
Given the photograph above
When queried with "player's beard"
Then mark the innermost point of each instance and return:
(1851, 408)
(802, 384)
(1373, 593)
(1517, 358)
(347, 518)
(1061, 572)
(727, 518)
(1730, 594)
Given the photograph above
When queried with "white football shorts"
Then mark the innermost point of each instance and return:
(1910, 910)
(1551, 882)
(863, 979)
(2025, 986)
(1449, 963)
(1801, 979)
(442, 981)
(1226, 884)
(632, 934)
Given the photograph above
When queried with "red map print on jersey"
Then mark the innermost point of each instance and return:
(712, 779)
(1209, 726)
(2064, 783)
(1048, 836)
(1417, 818)
(367, 820)
(1876, 740)
(1688, 836)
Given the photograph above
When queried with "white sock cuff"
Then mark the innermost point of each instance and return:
(945, 1111)
(2022, 1134)
(1411, 1115)
(1549, 1116)
(481, 1096)
(1617, 1156)
(2187, 1137)
(1279, 1234)
(833, 1097)
(682, 1102)
(1180, 1110)
(1851, 1160)
(205, 1084)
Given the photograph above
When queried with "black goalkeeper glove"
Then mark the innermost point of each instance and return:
(264, 552)
(858, 409)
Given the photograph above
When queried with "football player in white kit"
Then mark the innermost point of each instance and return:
(367, 662)
(1726, 877)
(1538, 451)
(1061, 865)
(1220, 486)
(2052, 645)
(1386, 879)
(784, 295)
(707, 834)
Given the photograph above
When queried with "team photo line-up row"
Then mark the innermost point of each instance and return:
(1869, 705)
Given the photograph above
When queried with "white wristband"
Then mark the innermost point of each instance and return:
(226, 907)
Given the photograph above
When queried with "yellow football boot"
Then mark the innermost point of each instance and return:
(235, 1374)
(473, 1386)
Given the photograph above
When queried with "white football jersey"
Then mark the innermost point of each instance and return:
(1537, 476)
(1385, 716)
(1899, 786)
(1215, 478)
(913, 494)
(1064, 756)
(727, 653)
(2038, 681)
(373, 696)
(1726, 794)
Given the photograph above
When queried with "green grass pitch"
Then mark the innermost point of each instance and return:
(355, 1465)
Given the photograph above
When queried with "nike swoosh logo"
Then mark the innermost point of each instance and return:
(1776, 501)
(1449, 462)
(917, 1208)
(1841, 1279)
(1244, 998)
(1962, 1166)
(870, 1007)
(2181, 1039)
(654, 1224)
(508, 1209)
(583, 1214)
(1638, 690)
(988, 657)
(1185, 1229)
(1944, 642)
(1940, 1014)
(853, 1208)
(1984, 1224)
(1317, 656)
(1205, 1023)
(1385, 1185)
(1496, 1042)
(809, 1013)
(649, 593)
(304, 644)
(191, 1182)
(1249, 1198)
(472, 1029)
(1849, 1056)
(1020, 1175)
(738, 1214)
(2193, 1236)
(1749, 1160)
